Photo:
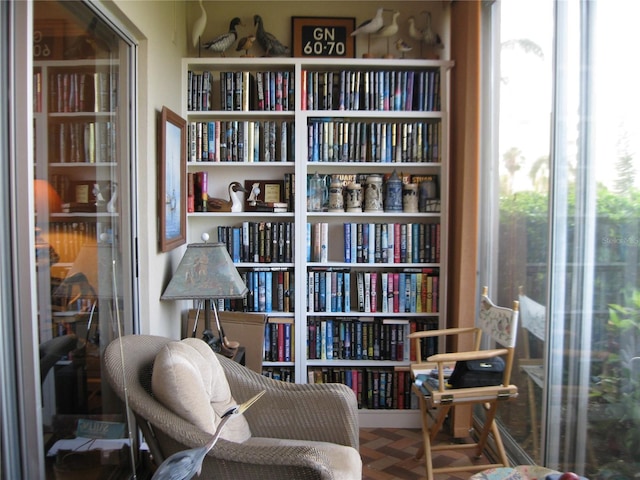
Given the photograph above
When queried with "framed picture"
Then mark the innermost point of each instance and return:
(172, 185)
(323, 37)
(264, 195)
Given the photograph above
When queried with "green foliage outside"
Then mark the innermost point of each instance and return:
(614, 415)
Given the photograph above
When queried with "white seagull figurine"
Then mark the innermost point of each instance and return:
(370, 26)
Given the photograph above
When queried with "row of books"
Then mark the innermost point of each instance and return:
(357, 339)
(82, 92)
(391, 242)
(269, 290)
(285, 374)
(241, 141)
(375, 388)
(399, 292)
(279, 340)
(240, 91)
(409, 291)
(260, 242)
(82, 142)
(400, 90)
(382, 142)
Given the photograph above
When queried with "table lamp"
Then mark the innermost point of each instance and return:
(206, 272)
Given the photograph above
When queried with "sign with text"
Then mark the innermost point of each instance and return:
(323, 37)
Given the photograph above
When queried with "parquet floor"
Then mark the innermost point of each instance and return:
(389, 454)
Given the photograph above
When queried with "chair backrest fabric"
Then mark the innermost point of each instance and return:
(533, 316)
(500, 323)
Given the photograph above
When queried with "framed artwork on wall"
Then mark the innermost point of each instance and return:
(172, 185)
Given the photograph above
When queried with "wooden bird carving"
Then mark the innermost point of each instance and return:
(390, 30)
(245, 44)
(234, 204)
(198, 26)
(270, 44)
(403, 47)
(415, 32)
(429, 36)
(223, 42)
(368, 27)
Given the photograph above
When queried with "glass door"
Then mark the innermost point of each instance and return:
(82, 185)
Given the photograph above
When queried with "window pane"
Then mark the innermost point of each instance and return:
(520, 198)
(82, 160)
(579, 347)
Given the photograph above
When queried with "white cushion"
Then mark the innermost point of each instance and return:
(188, 379)
(344, 462)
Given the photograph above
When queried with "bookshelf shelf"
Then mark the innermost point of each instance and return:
(424, 123)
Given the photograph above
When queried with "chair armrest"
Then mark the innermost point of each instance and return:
(442, 332)
(470, 355)
(247, 461)
(323, 412)
(241, 461)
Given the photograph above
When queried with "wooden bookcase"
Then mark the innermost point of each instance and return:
(422, 120)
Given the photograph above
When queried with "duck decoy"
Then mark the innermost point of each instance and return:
(415, 32)
(186, 464)
(234, 204)
(403, 47)
(223, 42)
(390, 30)
(270, 44)
(199, 26)
(430, 38)
(245, 43)
(370, 26)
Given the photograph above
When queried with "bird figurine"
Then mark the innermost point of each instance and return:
(430, 38)
(403, 47)
(270, 44)
(415, 32)
(223, 42)
(234, 204)
(186, 464)
(245, 43)
(390, 30)
(199, 26)
(368, 27)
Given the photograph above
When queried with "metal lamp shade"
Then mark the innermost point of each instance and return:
(206, 271)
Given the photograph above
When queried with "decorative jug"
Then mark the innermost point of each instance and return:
(373, 194)
(410, 198)
(393, 197)
(354, 197)
(318, 193)
(336, 198)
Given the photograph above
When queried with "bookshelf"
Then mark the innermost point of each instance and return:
(75, 157)
(346, 121)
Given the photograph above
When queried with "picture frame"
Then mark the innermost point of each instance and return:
(323, 37)
(264, 195)
(172, 184)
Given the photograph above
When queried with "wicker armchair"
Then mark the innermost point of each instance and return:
(298, 431)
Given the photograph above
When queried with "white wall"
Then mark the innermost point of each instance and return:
(161, 30)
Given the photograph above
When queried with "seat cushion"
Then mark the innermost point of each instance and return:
(345, 462)
(188, 379)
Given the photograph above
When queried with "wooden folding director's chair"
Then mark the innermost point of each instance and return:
(437, 398)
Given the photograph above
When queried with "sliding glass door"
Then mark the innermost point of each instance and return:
(68, 287)
(567, 230)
